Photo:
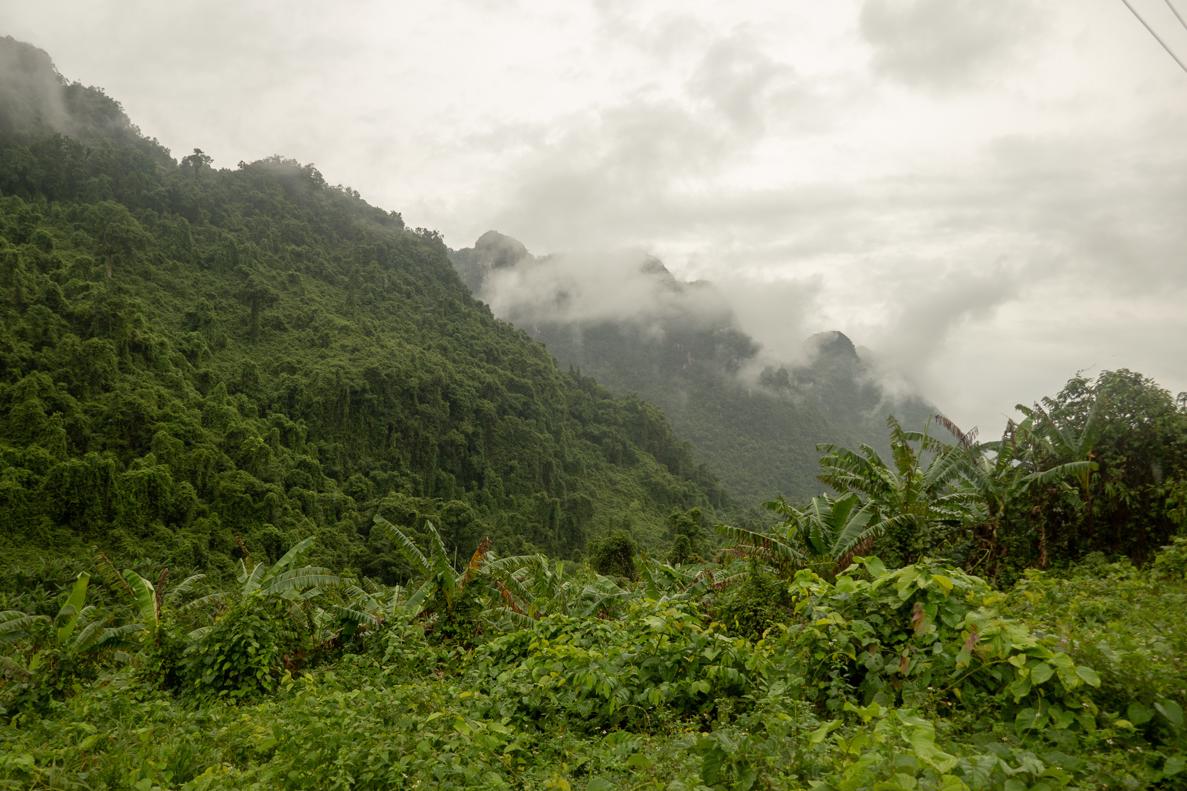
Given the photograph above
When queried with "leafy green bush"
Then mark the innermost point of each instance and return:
(659, 661)
(165, 660)
(747, 608)
(614, 555)
(1171, 562)
(780, 738)
(1129, 625)
(246, 652)
(403, 650)
(928, 635)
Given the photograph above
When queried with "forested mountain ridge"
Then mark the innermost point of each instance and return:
(756, 421)
(197, 363)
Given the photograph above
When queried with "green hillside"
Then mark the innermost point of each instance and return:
(253, 375)
(199, 363)
(757, 423)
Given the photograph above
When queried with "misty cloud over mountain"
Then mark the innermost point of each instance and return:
(755, 412)
(587, 287)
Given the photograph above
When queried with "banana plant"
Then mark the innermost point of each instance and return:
(60, 644)
(535, 585)
(284, 579)
(440, 581)
(296, 585)
(832, 531)
(442, 587)
(1000, 473)
(666, 582)
(824, 536)
(152, 604)
(916, 500)
(1059, 449)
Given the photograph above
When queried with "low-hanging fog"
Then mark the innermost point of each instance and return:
(989, 196)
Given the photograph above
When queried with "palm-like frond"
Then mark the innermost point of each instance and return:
(507, 619)
(515, 563)
(943, 469)
(440, 555)
(764, 542)
(216, 598)
(846, 470)
(414, 604)
(1060, 472)
(16, 625)
(196, 635)
(70, 613)
(147, 604)
(355, 615)
(290, 557)
(182, 588)
(523, 589)
(251, 579)
(406, 546)
(357, 595)
(97, 635)
(85, 638)
(663, 581)
(119, 635)
(600, 595)
(300, 580)
(964, 439)
(853, 528)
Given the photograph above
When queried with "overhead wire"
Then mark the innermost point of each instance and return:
(1175, 11)
(1157, 37)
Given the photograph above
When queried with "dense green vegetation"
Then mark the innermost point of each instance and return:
(524, 672)
(1100, 467)
(753, 421)
(793, 658)
(285, 508)
(198, 363)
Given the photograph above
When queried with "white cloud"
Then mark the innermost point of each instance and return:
(988, 194)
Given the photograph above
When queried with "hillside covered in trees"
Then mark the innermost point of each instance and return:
(197, 363)
(284, 507)
(756, 421)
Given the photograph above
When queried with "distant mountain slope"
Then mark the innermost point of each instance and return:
(196, 363)
(679, 346)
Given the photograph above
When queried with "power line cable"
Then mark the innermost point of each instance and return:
(1157, 37)
(1175, 11)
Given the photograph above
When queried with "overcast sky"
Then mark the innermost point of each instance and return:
(990, 195)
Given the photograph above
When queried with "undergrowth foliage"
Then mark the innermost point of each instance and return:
(245, 653)
(920, 677)
(657, 662)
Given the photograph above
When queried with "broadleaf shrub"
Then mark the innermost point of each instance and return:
(926, 635)
(246, 652)
(658, 662)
